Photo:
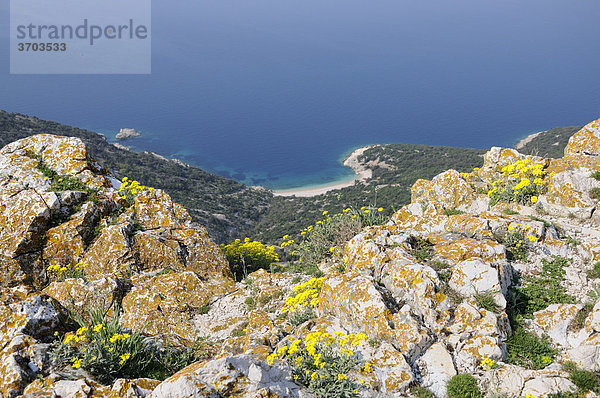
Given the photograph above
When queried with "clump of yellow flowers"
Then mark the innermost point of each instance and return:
(323, 362)
(63, 272)
(518, 240)
(521, 182)
(306, 295)
(248, 256)
(131, 188)
(488, 364)
(107, 351)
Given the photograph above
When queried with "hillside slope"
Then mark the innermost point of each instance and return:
(486, 284)
(225, 207)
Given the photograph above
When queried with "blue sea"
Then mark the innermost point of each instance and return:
(276, 92)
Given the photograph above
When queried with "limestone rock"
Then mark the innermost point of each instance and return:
(240, 376)
(167, 304)
(474, 276)
(586, 141)
(126, 133)
(555, 320)
(437, 368)
(447, 189)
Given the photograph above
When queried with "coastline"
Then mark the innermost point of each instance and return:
(528, 139)
(361, 173)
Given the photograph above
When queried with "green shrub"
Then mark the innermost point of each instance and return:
(585, 380)
(579, 321)
(68, 183)
(509, 212)
(595, 193)
(596, 175)
(538, 292)
(102, 347)
(326, 364)
(420, 248)
(463, 386)
(248, 256)
(594, 272)
(486, 301)
(527, 350)
(421, 392)
(453, 212)
(323, 239)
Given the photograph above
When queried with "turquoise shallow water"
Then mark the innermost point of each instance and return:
(275, 92)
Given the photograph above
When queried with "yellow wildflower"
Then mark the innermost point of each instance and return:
(124, 358)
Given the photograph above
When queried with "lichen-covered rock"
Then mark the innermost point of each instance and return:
(166, 304)
(415, 284)
(447, 189)
(78, 295)
(473, 276)
(586, 141)
(436, 368)
(392, 370)
(544, 386)
(240, 376)
(555, 320)
(24, 319)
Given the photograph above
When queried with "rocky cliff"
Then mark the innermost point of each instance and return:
(491, 274)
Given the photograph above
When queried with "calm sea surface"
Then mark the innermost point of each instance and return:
(275, 92)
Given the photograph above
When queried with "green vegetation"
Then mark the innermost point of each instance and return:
(551, 143)
(486, 301)
(517, 242)
(421, 392)
(420, 248)
(527, 350)
(452, 212)
(102, 347)
(248, 256)
(595, 193)
(521, 182)
(397, 168)
(584, 380)
(596, 175)
(325, 363)
(463, 386)
(538, 292)
(595, 271)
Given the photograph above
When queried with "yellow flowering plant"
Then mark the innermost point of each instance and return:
(518, 240)
(302, 303)
(131, 188)
(521, 182)
(248, 256)
(107, 351)
(327, 364)
(63, 272)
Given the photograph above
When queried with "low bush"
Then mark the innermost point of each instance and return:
(248, 256)
(527, 350)
(463, 386)
(106, 350)
(326, 364)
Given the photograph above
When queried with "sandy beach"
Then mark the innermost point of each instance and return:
(527, 140)
(361, 173)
